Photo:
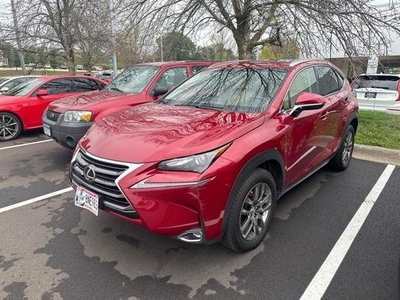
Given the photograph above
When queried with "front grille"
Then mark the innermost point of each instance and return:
(104, 183)
(52, 115)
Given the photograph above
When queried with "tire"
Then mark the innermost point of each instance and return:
(10, 126)
(342, 158)
(251, 211)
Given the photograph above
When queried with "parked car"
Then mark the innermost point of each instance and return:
(21, 108)
(377, 91)
(209, 160)
(7, 83)
(136, 85)
(107, 76)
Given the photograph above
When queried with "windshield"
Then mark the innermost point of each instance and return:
(235, 89)
(3, 79)
(24, 88)
(387, 82)
(133, 79)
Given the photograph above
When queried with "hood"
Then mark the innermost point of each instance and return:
(155, 132)
(86, 101)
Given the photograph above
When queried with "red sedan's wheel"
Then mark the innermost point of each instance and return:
(10, 127)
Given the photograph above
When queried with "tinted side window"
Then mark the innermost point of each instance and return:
(172, 77)
(197, 69)
(305, 81)
(328, 81)
(85, 85)
(58, 86)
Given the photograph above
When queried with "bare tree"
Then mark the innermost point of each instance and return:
(93, 39)
(349, 25)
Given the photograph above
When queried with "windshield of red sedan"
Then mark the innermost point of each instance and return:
(133, 79)
(233, 89)
(24, 88)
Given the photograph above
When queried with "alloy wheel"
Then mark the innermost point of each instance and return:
(255, 211)
(9, 127)
(347, 148)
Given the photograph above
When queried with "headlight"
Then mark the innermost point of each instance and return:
(194, 163)
(77, 116)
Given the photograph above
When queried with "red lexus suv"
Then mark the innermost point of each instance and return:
(209, 160)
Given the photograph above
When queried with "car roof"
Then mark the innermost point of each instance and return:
(179, 62)
(287, 64)
(377, 75)
(21, 76)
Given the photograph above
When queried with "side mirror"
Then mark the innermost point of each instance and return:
(307, 101)
(41, 93)
(4, 89)
(159, 90)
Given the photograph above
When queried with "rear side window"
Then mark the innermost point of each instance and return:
(328, 81)
(197, 69)
(386, 82)
(58, 86)
(86, 84)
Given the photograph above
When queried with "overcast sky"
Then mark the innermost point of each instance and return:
(395, 49)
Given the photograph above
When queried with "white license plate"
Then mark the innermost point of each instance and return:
(87, 200)
(47, 130)
(370, 95)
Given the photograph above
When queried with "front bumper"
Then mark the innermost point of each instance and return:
(66, 134)
(178, 211)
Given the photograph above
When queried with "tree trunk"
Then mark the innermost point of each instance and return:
(244, 51)
(71, 61)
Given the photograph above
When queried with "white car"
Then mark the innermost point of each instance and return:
(377, 91)
(7, 83)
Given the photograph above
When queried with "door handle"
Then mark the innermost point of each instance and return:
(324, 115)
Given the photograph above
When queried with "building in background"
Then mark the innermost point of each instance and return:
(373, 62)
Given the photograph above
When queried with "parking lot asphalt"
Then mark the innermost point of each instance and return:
(51, 249)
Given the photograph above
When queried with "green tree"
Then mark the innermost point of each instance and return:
(176, 46)
(289, 50)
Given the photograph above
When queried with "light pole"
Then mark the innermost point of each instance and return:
(114, 55)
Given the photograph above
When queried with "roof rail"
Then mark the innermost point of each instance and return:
(299, 61)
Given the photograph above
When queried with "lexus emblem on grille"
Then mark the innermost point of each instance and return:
(89, 173)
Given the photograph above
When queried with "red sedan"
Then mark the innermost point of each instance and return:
(22, 107)
(209, 160)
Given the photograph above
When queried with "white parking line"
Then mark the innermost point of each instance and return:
(7, 208)
(316, 289)
(27, 144)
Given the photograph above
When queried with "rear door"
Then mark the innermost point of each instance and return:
(376, 91)
(331, 86)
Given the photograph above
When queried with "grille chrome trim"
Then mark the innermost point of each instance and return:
(107, 183)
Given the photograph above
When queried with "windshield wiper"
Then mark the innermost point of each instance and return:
(202, 106)
(115, 89)
(162, 101)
